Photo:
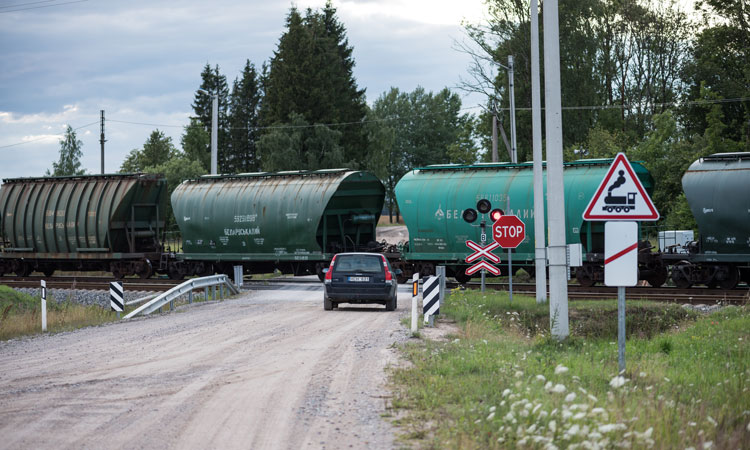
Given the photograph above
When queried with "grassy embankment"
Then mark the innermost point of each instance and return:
(502, 382)
(20, 314)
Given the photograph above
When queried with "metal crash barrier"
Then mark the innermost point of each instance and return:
(186, 288)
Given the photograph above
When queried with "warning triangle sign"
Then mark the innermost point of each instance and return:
(621, 196)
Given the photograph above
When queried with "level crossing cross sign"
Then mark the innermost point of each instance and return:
(482, 252)
(624, 199)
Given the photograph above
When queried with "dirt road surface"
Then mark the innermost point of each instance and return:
(270, 369)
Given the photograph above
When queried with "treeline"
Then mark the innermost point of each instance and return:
(639, 76)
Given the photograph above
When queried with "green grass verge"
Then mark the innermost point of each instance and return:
(502, 382)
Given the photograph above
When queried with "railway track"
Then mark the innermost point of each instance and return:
(696, 295)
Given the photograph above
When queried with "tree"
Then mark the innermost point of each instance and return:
(244, 121)
(416, 129)
(196, 143)
(176, 170)
(70, 156)
(157, 150)
(311, 75)
(301, 145)
(214, 82)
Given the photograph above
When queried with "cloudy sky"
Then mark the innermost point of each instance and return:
(65, 60)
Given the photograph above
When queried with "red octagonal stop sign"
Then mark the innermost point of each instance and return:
(508, 231)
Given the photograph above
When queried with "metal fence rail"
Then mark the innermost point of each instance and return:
(186, 288)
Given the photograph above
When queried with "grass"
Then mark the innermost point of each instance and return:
(503, 382)
(20, 315)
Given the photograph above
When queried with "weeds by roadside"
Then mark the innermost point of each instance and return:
(505, 383)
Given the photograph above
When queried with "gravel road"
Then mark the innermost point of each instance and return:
(269, 369)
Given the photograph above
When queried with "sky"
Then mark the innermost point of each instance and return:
(62, 61)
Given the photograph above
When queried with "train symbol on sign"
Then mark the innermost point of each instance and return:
(619, 203)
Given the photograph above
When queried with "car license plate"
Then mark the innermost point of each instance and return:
(359, 279)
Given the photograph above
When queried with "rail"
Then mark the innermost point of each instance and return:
(185, 288)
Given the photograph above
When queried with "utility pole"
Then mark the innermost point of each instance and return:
(495, 156)
(102, 140)
(511, 87)
(540, 258)
(558, 282)
(214, 127)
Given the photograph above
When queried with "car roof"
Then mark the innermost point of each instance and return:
(358, 253)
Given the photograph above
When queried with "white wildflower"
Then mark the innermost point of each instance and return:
(667, 379)
(570, 397)
(558, 389)
(550, 446)
(531, 429)
(456, 341)
(478, 421)
(610, 427)
(500, 439)
(509, 417)
(541, 378)
(689, 448)
(492, 409)
(548, 386)
(708, 444)
(692, 424)
(592, 398)
(560, 369)
(522, 442)
(543, 414)
(552, 426)
(536, 408)
(491, 416)
(573, 431)
(566, 414)
(748, 427)
(712, 421)
(524, 413)
(583, 391)
(519, 373)
(617, 381)
(502, 403)
(595, 435)
(579, 416)
(506, 392)
(642, 374)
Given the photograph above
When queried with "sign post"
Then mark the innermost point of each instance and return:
(116, 295)
(44, 305)
(508, 232)
(626, 201)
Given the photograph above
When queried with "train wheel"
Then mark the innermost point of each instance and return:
(730, 278)
(175, 273)
(145, 270)
(117, 272)
(680, 273)
(659, 277)
(585, 277)
(462, 278)
(23, 270)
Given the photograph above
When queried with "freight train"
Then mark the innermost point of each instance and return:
(295, 221)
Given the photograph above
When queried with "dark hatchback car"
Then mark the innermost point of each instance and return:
(359, 278)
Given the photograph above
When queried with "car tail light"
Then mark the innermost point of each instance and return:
(329, 274)
(388, 276)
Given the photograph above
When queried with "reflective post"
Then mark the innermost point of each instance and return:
(414, 295)
(621, 328)
(44, 305)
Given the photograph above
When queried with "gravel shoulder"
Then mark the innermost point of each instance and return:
(269, 369)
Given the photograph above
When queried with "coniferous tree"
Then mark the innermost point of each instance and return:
(311, 75)
(70, 156)
(244, 110)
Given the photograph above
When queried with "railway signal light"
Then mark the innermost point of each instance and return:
(496, 214)
(470, 215)
(484, 206)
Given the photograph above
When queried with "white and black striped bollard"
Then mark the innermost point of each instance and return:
(431, 299)
(116, 297)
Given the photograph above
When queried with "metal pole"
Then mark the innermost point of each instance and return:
(483, 280)
(214, 132)
(555, 186)
(511, 86)
(495, 156)
(484, 242)
(510, 259)
(102, 140)
(621, 328)
(540, 257)
(44, 305)
(414, 295)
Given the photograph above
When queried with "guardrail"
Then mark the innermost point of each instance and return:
(187, 288)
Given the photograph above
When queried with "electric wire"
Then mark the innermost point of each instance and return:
(47, 137)
(41, 6)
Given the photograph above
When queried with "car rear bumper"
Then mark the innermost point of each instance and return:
(349, 295)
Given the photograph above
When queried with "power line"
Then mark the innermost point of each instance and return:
(272, 127)
(18, 5)
(654, 105)
(48, 136)
(39, 7)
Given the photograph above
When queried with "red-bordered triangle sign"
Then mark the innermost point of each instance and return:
(621, 196)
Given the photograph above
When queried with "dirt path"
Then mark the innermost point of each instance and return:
(268, 370)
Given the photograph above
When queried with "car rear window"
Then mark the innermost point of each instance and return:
(359, 263)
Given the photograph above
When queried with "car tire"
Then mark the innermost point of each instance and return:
(327, 303)
(390, 304)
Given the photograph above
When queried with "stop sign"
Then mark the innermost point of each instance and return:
(508, 231)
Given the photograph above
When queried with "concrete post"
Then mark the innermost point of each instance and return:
(540, 244)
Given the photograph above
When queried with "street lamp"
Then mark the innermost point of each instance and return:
(214, 127)
(513, 153)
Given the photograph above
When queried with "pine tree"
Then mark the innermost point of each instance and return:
(311, 74)
(244, 109)
(70, 156)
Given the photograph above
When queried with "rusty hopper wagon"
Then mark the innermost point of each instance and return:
(292, 221)
(94, 222)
